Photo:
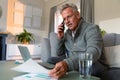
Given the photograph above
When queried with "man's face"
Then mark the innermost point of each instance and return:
(71, 18)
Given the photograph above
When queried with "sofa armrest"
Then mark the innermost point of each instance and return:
(109, 39)
(111, 74)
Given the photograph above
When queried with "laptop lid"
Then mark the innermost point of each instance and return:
(24, 52)
(26, 55)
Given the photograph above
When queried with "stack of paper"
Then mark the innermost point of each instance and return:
(34, 70)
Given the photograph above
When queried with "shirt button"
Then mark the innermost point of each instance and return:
(74, 44)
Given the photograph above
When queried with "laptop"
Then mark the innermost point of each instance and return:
(26, 56)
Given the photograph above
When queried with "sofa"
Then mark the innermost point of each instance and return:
(48, 48)
(112, 54)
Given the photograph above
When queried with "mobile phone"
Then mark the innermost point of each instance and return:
(63, 25)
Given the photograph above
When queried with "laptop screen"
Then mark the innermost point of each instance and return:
(24, 52)
(26, 55)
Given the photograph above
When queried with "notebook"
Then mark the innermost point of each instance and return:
(26, 56)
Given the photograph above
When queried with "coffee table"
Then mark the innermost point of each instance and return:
(7, 74)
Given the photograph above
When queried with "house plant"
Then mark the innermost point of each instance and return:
(25, 37)
(103, 32)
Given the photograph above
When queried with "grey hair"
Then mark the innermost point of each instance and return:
(69, 5)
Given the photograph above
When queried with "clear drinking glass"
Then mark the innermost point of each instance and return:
(85, 63)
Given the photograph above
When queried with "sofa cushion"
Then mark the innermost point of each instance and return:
(109, 39)
(112, 55)
(45, 49)
(53, 44)
(111, 74)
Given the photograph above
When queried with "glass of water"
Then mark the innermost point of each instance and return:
(85, 64)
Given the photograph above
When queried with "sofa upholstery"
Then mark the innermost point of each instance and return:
(112, 47)
(112, 42)
(48, 48)
(109, 39)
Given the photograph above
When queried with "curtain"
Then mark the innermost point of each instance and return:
(87, 10)
(0, 11)
(52, 18)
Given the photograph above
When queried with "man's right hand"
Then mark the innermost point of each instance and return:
(60, 31)
(59, 70)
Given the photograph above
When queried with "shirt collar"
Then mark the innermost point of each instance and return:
(73, 33)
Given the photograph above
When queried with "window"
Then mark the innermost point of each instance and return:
(32, 17)
(15, 16)
(22, 16)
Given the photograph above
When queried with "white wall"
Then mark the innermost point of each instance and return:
(107, 15)
(111, 26)
(3, 19)
(106, 9)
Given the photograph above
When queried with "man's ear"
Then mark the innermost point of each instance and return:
(78, 15)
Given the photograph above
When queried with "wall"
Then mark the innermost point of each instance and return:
(111, 25)
(106, 9)
(3, 18)
(107, 15)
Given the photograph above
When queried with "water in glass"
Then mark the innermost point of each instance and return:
(85, 63)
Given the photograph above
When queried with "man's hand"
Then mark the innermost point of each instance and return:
(59, 70)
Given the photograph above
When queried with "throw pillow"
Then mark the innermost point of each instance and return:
(113, 56)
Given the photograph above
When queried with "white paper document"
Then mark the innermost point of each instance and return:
(36, 71)
(30, 66)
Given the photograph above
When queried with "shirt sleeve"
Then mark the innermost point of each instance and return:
(94, 42)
